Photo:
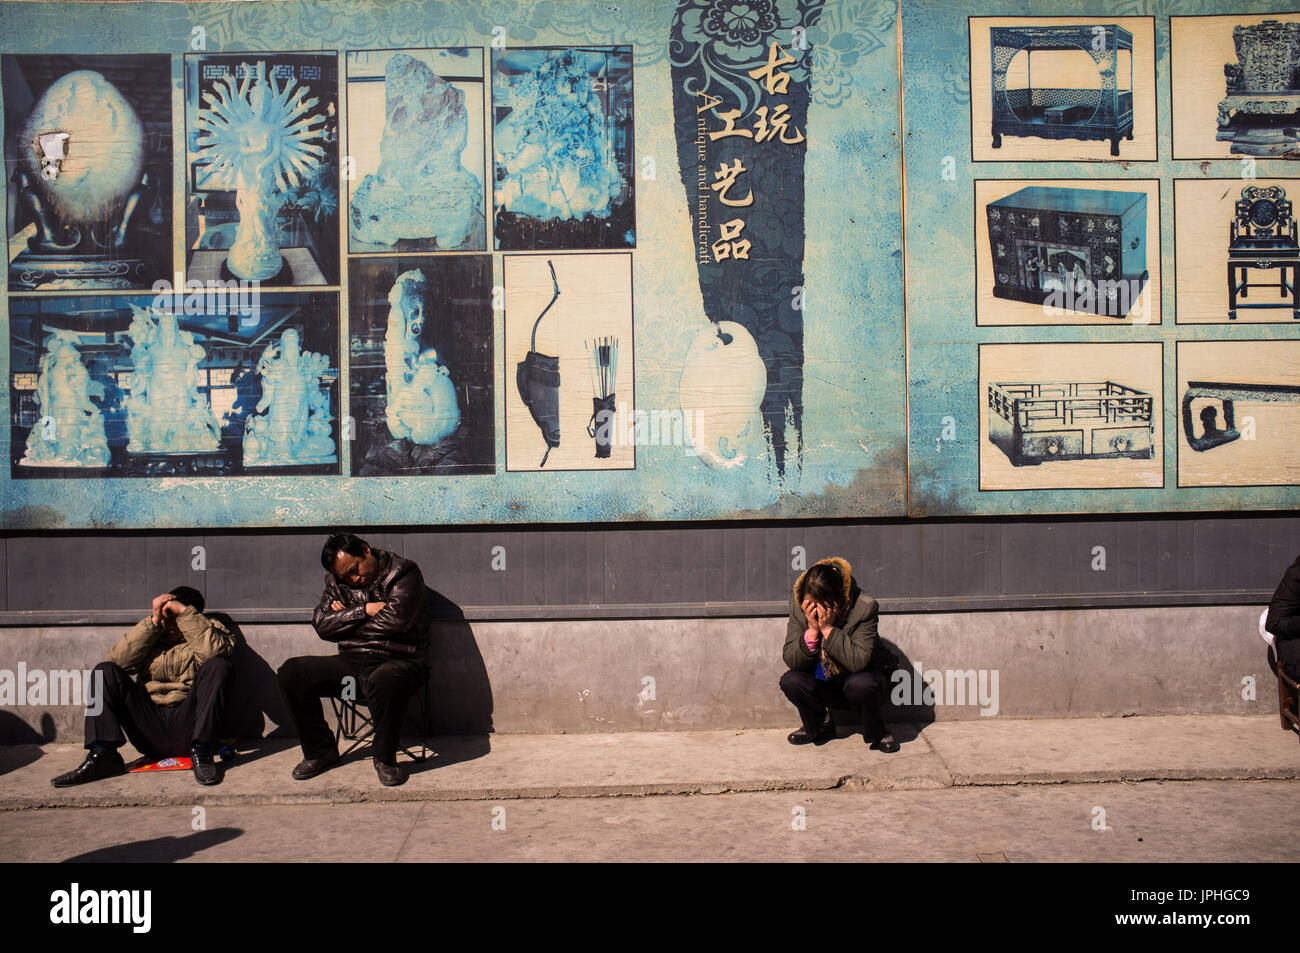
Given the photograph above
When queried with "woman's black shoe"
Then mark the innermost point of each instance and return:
(100, 763)
(885, 743)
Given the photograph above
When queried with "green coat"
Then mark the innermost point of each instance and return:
(165, 666)
(851, 646)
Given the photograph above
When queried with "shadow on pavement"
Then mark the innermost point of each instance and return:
(905, 721)
(452, 750)
(20, 742)
(159, 849)
(261, 749)
(13, 757)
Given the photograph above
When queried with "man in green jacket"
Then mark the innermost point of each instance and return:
(833, 656)
(182, 659)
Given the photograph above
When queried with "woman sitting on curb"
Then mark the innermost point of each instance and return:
(831, 644)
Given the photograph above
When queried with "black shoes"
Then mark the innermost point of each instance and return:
(205, 769)
(801, 737)
(100, 763)
(310, 767)
(107, 763)
(885, 743)
(390, 775)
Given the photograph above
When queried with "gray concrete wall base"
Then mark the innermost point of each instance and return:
(661, 674)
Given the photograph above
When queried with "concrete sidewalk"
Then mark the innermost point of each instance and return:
(998, 751)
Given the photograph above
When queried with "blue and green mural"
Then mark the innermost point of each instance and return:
(525, 261)
(329, 184)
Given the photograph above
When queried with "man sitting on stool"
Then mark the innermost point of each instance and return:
(374, 608)
(184, 658)
(831, 644)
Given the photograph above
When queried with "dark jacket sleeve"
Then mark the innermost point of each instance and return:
(853, 645)
(330, 624)
(796, 654)
(403, 604)
(1284, 611)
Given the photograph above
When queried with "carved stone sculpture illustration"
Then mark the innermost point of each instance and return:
(556, 146)
(70, 432)
(83, 148)
(258, 137)
(422, 190)
(721, 391)
(291, 424)
(82, 182)
(421, 398)
(166, 413)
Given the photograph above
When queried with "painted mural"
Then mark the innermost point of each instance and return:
(1101, 304)
(307, 263)
(454, 263)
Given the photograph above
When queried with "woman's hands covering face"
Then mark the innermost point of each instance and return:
(821, 618)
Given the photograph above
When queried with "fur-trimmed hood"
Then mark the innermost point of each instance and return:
(846, 574)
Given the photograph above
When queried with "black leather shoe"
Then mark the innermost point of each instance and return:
(310, 767)
(801, 737)
(100, 763)
(885, 743)
(390, 775)
(205, 769)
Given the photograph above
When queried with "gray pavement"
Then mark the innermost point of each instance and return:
(1151, 821)
(995, 751)
(1171, 788)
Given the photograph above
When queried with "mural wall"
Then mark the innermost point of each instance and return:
(307, 263)
(1101, 299)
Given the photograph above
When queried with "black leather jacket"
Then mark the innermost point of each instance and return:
(399, 630)
(1284, 610)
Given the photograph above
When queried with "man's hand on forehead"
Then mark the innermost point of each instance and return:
(156, 609)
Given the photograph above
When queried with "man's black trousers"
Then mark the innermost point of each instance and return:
(159, 731)
(384, 685)
(861, 692)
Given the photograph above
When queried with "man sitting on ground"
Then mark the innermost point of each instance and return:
(373, 606)
(184, 659)
(833, 655)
